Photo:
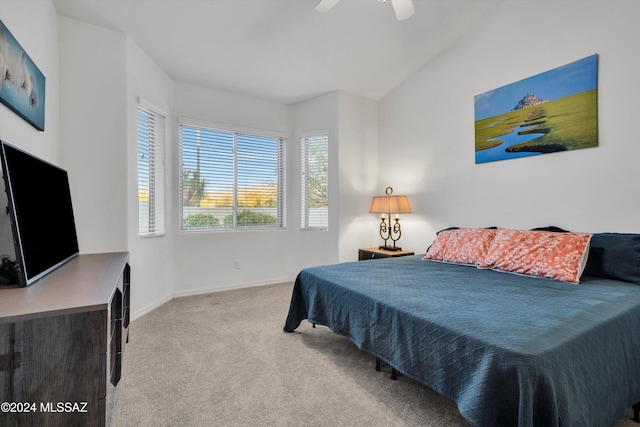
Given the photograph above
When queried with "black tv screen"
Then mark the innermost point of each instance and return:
(40, 211)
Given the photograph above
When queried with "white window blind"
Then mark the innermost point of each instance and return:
(151, 136)
(231, 179)
(315, 179)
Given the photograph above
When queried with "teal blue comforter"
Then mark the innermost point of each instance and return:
(509, 350)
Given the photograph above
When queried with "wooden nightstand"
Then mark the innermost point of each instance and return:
(375, 253)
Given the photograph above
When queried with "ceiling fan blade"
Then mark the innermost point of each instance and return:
(403, 9)
(325, 5)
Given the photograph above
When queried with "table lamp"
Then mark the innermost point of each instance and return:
(387, 205)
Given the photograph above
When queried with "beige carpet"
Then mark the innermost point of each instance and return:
(222, 359)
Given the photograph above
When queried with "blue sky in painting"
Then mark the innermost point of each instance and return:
(569, 79)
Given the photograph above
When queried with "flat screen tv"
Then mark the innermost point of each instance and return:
(40, 212)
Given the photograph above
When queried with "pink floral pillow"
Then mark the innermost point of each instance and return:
(558, 256)
(461, 246)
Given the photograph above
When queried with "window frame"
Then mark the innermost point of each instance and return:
(281, 206)
(156, 218)
(304, 173)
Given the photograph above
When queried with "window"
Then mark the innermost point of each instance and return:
(315, 178)
(230, 179)
(150, 170)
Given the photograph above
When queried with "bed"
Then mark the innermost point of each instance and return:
(508, 349)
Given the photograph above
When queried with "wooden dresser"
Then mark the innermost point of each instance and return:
(62, 341)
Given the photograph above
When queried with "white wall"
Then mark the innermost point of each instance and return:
(93, 124)
(21, 18)
(98, 128)
(206, 261)
(152, 259)
(428, 124)
(352, 124)
(357, 162)
(103, 74)
(313, 247)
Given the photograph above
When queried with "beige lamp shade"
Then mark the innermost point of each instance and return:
(390, 205)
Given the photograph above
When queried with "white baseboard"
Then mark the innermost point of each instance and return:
(201, 291)
(152, 306)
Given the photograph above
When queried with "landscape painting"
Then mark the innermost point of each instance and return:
(22, 84)
(553, 111)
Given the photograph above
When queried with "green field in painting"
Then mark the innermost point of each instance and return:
(567, 123)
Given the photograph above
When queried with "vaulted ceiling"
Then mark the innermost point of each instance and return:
(284, 50)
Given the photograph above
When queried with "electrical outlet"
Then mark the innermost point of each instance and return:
(236, 264)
